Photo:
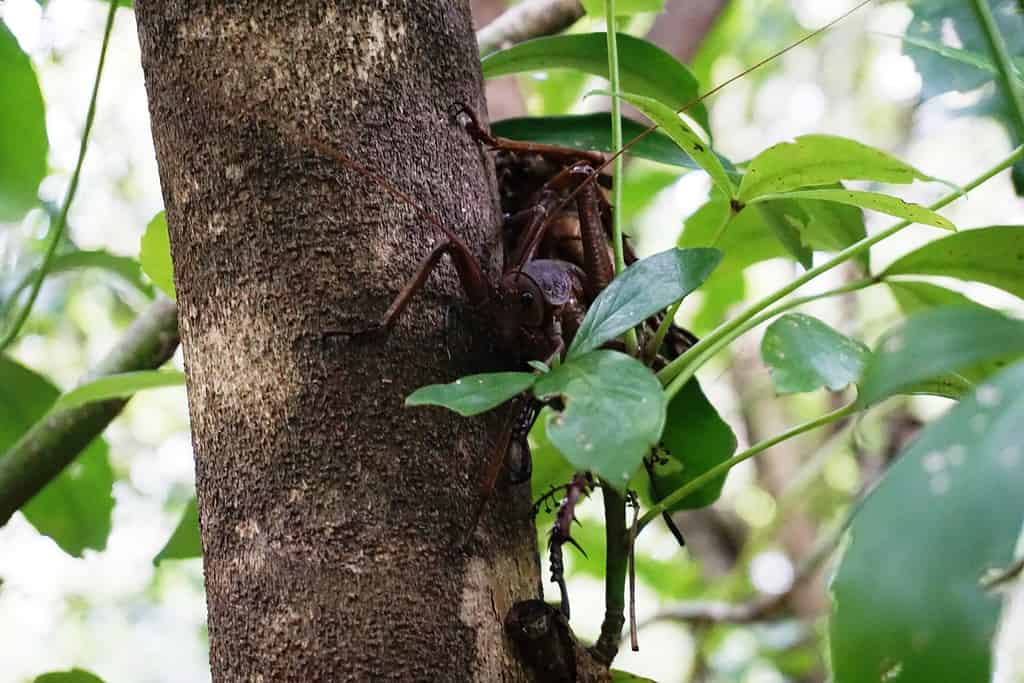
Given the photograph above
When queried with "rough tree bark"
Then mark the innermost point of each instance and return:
(331, 517)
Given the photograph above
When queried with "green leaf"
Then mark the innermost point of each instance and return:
(805, 354)
(550, 468)
(75, 508)
(184, 543)
(614, 413)
(783, 219)
(644, 68)
(624, 7)
(993, 255)
(156, 254)
(626, 677)
(119, 386)
(593, 132)
(812, 160)
(920, 296)
(883, 203)
(696, 439)
(73, 676)
(908, 606)
(684, 136)
(935, 342)
(955, 54)
(474, 394)
(640, 291)
(23, 141)
(125, 267)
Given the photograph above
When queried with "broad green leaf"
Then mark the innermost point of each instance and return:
(125, 267)
(883, 203)
(119, 386)
(626, 677)
(831, 226)
(184, 543)
(993, 255)
(644, 68)
(935, 342)
(684, 136)
(696, 439)
(593, 132)
(474, 394)
(614, 413)
(72, 676)
(747, 239)
(643, 289)
(805, 354)
(23, 141)
(75, 508)
(624, 7)
(812, 160)
(155, 255)
(955, 54)
(783, 219)
(549, 467)
(919, 296)
(907, 600)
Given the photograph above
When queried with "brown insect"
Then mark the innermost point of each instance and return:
(557, 259)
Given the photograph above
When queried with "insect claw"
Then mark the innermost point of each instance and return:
(572, 541)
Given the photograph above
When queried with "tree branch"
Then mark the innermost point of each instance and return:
(56, 440)
(527, 20)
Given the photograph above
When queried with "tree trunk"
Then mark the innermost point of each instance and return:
(332, 517)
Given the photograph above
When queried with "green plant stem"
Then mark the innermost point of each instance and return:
(722, 468)
(616, 567)
(651, 352)
(613, 81)
(683, 368)
(58, 229)
(1011, 85)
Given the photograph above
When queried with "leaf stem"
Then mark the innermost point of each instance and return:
(616, 565)
(679, 371)
(722, 468)
(616, 105)
(57, 231)
(1009, 82)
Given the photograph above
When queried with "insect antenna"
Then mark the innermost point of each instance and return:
(654, 126)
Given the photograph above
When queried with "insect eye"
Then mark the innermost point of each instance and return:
(526, 298)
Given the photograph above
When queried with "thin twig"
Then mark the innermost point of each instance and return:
(634, 641)
(58, 228)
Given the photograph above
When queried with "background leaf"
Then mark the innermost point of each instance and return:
(593, 131)
(696, 439)
(640, 291)
(474, 394)
(919, 296)
(937, 341)
(75, 508)
(73, 676)
(908, 606)
(155, 255)
(813, 160)
(23, 141)
(993, 255)
(185, 542)
(875, 201)
(614, 413)
(644, 68)
(119, 386)
(805, 354)
(684, 136)
(624, 7)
